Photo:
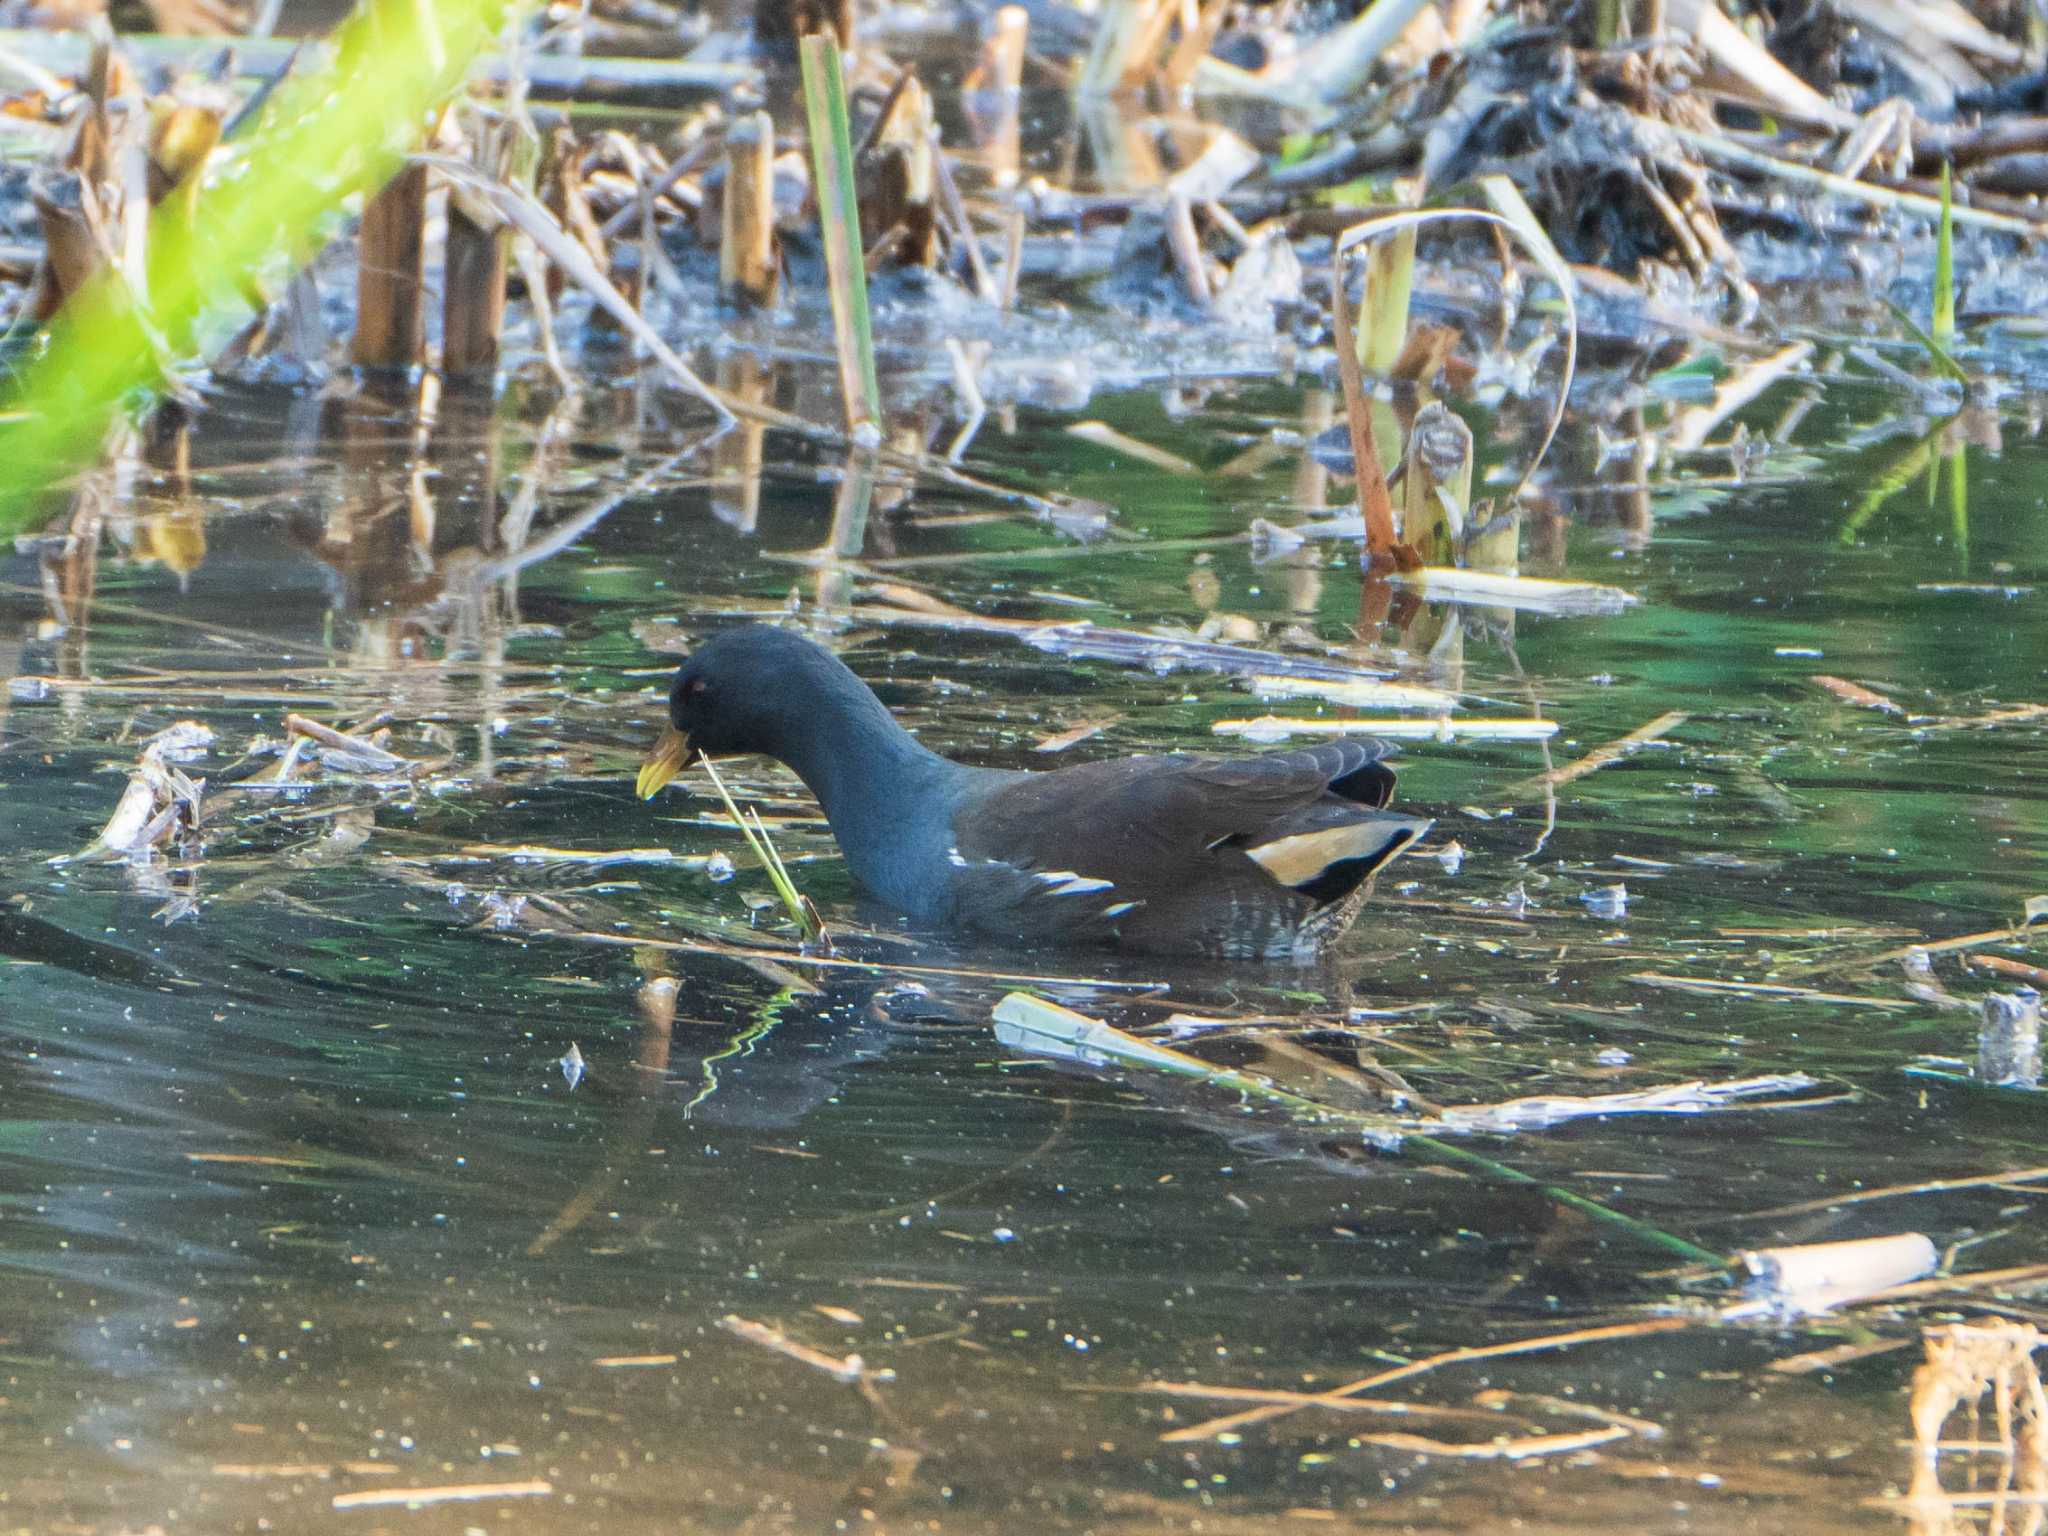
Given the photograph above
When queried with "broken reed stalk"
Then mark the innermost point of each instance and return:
(781, 25)
(747, 269)
(1185, 244)
(1003, 75)
(473, 273)
(899, 192)
(798, 906)
(1387, 224)
(1375, 505)
(390, 274)
(1383, 308)
(839, 219)
(1436, 485)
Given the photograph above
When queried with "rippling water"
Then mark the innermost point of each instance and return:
(299, 1207)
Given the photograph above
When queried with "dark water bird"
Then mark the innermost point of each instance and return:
(1265, 856)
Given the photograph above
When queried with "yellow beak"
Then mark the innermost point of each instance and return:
(670, 756)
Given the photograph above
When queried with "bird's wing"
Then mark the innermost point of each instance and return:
(1092, 838)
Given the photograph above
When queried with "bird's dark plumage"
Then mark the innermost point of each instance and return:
(1266, 856)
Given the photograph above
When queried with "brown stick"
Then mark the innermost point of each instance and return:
(747, 270)
(390, 275)
(1612, 751)
(2034, 973)
(1963, 147)
(1931, 947)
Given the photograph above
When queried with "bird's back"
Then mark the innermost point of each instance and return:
(1261, 856)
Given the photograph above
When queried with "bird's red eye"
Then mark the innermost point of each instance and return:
(693, 688)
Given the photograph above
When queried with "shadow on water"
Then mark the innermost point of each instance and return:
(303, 1207)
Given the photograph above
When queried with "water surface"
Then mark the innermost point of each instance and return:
(297, 1202)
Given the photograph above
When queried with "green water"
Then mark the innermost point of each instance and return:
(298, 1204)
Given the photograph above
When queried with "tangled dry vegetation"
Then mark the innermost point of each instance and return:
(1190, 161)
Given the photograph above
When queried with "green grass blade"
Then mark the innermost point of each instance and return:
(1959, 502)
(756, 833)
(1655, 1236)
(839, 216)
(1895, 478)
(1944, 327)
(1928, 344)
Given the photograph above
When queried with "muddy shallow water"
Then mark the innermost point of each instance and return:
(298, 1205)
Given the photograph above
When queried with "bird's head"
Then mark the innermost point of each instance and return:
(742, 691)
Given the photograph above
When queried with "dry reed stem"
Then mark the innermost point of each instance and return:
(1611, 752)
(391, 275)
(1899, 1191)
(1726, 151)
(1209, 1429)
(1930, 947)
(747, 268)
(476, 249)
(1521, 1448)
(1784, 991)
(1281, 1397)
(452, 1493)
(850, 1369)
(534, 221)
(2036, 974)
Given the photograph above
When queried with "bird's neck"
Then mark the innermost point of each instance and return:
(877, 784)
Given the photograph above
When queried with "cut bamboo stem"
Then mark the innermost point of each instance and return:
(747, 268)
(390, 276)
